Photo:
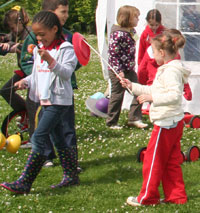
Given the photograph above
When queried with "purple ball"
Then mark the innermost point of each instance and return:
(102, 105)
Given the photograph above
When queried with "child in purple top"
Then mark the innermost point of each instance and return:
(122, 59)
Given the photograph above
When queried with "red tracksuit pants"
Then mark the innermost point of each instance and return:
(162, 164)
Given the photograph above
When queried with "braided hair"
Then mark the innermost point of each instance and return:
(49, 20)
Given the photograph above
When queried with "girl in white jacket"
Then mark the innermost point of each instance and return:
(162, 157)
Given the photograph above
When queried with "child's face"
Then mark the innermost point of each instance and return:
(43, 34)
(16, 29)
(158, 54)
(153, 24)
(134, 21)
(63, 13)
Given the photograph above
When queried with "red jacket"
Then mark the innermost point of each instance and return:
(145, 39)
(148, 68)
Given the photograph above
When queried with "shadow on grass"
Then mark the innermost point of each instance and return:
(104, 172)
(109, 170)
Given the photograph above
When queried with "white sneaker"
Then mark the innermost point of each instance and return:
(138, 124)
(26, 146)
(48, 163)
(132, 201)
(115, 127)
(162, 201)
(79, 169)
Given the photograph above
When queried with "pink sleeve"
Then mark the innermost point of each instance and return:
(187, 92)
(142, 49)
(142, 70)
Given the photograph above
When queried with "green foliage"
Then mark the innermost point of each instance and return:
(32, 7)
(81, 13)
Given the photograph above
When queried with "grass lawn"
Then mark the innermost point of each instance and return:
(108, 158)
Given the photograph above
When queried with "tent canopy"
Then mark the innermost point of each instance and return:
(180, 14)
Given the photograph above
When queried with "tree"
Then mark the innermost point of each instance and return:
(82, 15)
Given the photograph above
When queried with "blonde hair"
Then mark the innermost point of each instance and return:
(125, 13)
(178, 38)
(170, 40)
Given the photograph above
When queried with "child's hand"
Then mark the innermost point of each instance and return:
(14, 48)
(144, 98)
(5, 46)
(2, 38)
(126, 83)
(45, 56)
(121, 74)
(22, 84)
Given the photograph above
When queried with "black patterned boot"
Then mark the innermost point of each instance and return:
(68, 160)
(23, 184)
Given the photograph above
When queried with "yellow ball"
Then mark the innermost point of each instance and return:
(2, 140)
(13, 143)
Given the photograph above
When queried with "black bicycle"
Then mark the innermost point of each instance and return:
(16, 122)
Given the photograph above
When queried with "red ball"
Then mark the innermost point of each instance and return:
(30, 48)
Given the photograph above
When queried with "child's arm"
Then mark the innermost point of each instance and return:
(187, 92)
(22, 84)
(142, 48)
(8, 43)
(145, 98)
(142, 70)
(126, 83)
(26, 57)
(137, 89)
(46, 56)
(5, 46)
(15, 48)
(66, 65)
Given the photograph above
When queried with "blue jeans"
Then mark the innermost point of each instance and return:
(55, 121)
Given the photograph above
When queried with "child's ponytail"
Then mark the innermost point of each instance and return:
(48, 19)
(24, 16)
(177, 37)
(171, 40)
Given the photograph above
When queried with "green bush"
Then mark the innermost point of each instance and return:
(32, 7)
(81, 13)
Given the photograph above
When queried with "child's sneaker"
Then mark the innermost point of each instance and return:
(115, 127)
(162, 201)
(48, 163)
(26, 146)
(139, 124)
(132, 201)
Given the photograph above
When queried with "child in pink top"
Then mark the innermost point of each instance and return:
(153, 28)
(148, 68)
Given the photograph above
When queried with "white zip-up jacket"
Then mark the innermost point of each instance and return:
(60, 80)
(166, 91)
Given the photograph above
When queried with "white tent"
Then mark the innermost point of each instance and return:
(172, 14)
(106, 17)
